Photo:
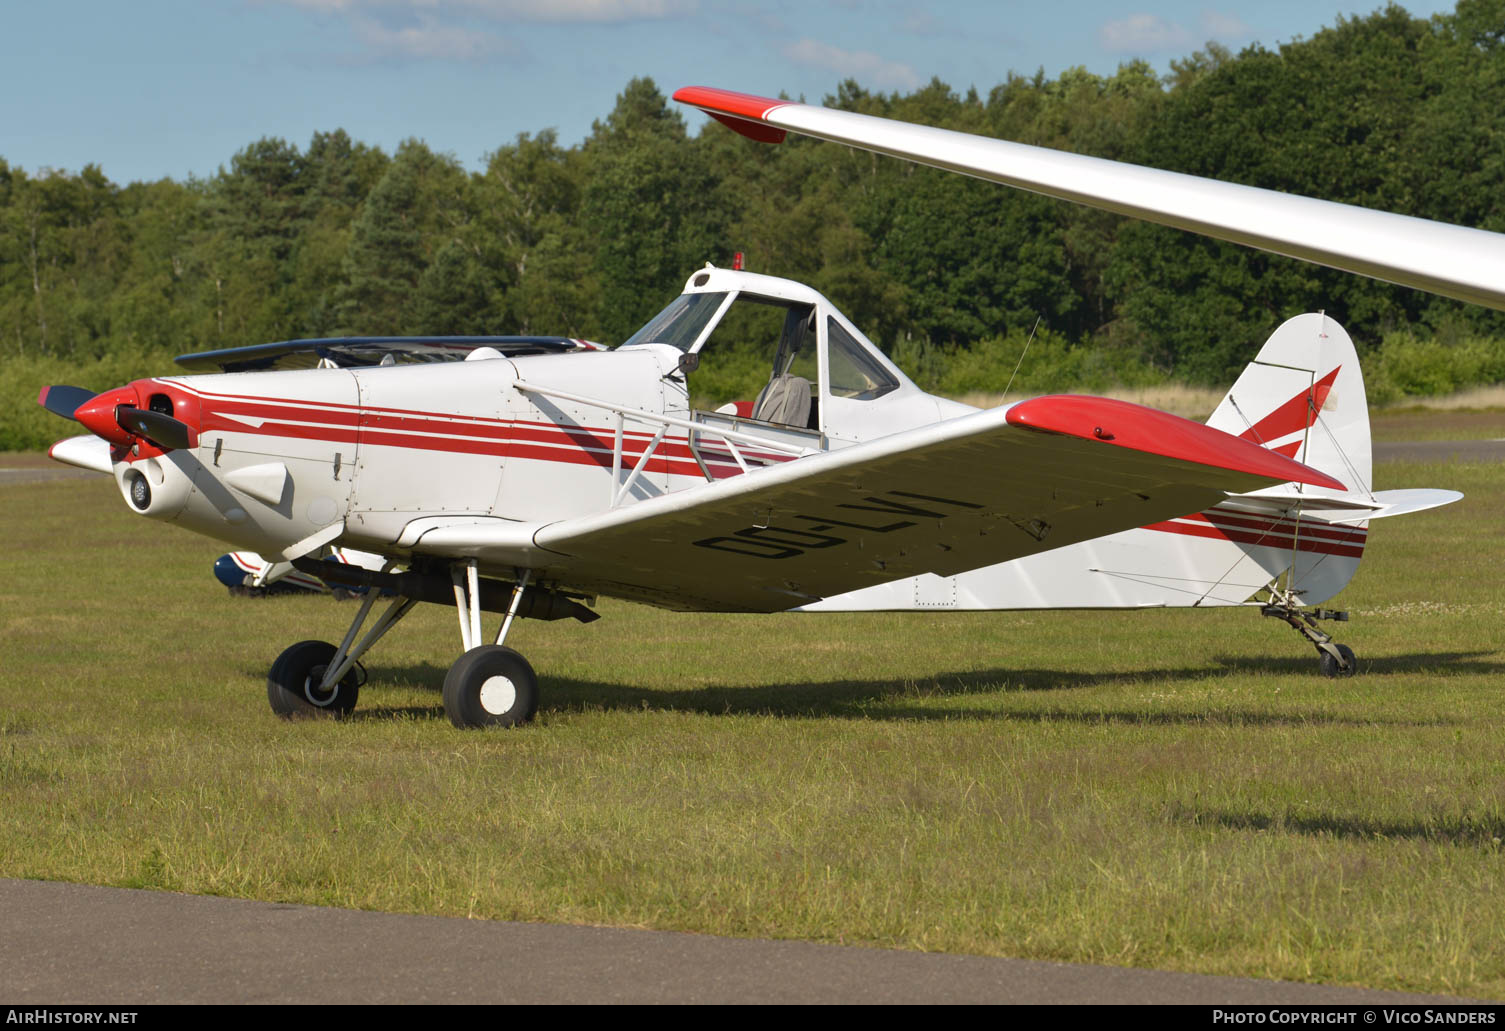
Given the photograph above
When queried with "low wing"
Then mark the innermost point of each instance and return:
(944, 498)
(1467, 264)
(349, 352)
(86, 452)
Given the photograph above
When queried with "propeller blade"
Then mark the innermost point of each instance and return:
(64, 401)
(162, 430)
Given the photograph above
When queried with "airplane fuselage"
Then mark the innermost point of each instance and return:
(286, 462)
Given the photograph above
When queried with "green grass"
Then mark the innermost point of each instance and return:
(1419, 423)
(1177, 790)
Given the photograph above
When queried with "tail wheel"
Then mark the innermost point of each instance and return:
(293, 683)
(490, 686)
(1330, 665)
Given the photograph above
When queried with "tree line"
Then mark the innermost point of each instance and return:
(339, 238)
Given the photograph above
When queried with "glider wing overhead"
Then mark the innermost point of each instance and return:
(349, 352)
(943, 498)
(1467, 264)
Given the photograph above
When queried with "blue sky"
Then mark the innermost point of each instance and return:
(154, 88)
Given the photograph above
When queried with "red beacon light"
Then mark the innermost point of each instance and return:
(737, 262)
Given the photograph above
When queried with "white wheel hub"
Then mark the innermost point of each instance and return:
(498, 694)
(311, 688)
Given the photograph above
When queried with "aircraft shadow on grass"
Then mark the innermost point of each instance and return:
(1450, 663)
(896, 699)
(1444, 828)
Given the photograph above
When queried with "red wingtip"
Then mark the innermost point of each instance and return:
(742, 112)
(1138, 428)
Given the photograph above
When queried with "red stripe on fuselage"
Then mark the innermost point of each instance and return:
(433, 431)
(1317, 528)
(1272, 536)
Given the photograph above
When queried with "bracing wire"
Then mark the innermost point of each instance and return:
(1022, 353)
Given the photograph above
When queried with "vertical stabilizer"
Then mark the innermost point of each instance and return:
(1303, 396)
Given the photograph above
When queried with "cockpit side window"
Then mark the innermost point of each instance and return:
(763, 350)
(854, 373)
(681, 323)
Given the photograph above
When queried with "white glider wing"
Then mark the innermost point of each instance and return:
(1466, 264)
(944, 498)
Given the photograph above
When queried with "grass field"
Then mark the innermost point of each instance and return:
(1177, 790)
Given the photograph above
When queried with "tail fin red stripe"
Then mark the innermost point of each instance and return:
(1291, 417)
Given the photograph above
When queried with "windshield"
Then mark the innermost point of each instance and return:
(680, 324)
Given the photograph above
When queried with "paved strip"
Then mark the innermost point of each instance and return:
(74, 944)
(12, 477)
(1440, 451)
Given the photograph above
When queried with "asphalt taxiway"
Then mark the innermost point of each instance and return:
(77, 944)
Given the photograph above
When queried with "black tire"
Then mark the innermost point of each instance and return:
(293, 683)
(1330, 666)
(490, 686)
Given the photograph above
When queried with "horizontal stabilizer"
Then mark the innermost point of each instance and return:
(1386, 503)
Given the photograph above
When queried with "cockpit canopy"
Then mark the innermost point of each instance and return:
(805, 349)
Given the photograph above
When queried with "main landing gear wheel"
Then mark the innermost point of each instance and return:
(293, 683)
(490, 686)
(1330, 665)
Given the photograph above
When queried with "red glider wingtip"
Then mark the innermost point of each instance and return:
(741, 112)
(1138, 428)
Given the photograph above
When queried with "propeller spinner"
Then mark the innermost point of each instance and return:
(117, 417)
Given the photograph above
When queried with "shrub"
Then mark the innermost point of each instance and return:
(27, 426)
(1410, 366)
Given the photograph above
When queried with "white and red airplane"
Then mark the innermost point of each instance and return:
(529, 483)
(1285, 551)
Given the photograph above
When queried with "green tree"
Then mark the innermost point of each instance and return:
(528, 204)
(652, 205)
(420, 203)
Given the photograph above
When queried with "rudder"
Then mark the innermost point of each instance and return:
(1303, 396)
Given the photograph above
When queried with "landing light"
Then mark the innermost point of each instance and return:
(141, 491)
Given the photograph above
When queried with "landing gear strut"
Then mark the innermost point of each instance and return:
(1336, 660)
(490, 685)
(296, 687)
(315, 678)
